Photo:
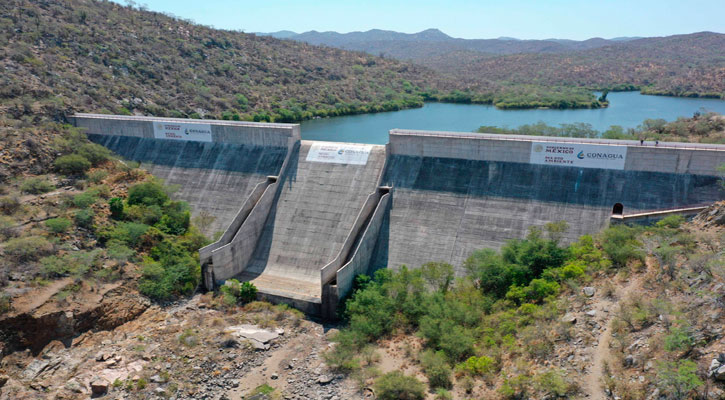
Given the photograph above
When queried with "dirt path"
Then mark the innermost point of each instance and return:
(605, 306)
(28, 303)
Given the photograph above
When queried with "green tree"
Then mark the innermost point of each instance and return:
(678, 378)
(397, 386)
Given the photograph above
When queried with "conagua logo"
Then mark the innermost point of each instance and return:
(340, 151)
(580, 155)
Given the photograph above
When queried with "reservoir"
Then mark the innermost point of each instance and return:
(627, 109)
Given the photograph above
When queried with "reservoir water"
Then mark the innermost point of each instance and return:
(627, 109)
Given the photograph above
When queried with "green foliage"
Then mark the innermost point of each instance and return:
(97, 176)
(58, 225)
(85, 199)
(27, 248)
(176, 218)
(115, 204)
(72, 164)
(147, 193)
(620, 244)
(5, 304)
(436, 368)
(9, 204)
(170, 271)
(126, 232)
(397, 386)
(84, 218)
(536, 291)
(671, 221)
(118, 251)
(554, 383)
(678, 378)
(243, 293)
(478, 366)
(679, 338)
(94, 153)
(37, 185)
(76, 263)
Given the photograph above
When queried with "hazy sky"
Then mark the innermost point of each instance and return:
(525, 19)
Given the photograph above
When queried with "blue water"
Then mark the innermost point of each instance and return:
(627, 109)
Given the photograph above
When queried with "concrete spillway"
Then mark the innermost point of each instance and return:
(330, 211)
(316, 207)
(212, 177)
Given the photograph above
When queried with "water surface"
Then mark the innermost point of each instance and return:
(627, 109)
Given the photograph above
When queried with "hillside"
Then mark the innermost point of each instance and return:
(98, 56)
(679, 65)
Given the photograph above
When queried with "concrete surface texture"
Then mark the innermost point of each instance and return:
(443, 208)
(317, 205)
(214, 178)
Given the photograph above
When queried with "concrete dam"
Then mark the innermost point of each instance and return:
(301, 219)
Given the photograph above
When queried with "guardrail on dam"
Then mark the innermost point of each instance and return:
(304, 218)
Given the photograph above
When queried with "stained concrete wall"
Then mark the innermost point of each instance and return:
(238, 132)
(206, 251)
(361, 258)
(669, 157)
(232, 259)
(455, 193)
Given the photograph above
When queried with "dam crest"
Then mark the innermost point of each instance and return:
(300, 219)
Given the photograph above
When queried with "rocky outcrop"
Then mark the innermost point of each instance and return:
(38, 327)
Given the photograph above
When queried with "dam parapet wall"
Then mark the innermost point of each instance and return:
(201, 130)
(665, 157)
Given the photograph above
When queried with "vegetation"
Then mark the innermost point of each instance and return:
(238, 293)
(703, 128)
(37, 185)
(397, 386)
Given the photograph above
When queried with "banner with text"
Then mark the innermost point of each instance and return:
(578, 155)
(182, 131)
(339, 153)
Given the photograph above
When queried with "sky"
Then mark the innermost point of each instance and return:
(482, 19)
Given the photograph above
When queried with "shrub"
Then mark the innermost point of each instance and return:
(76, 263)
(147, 193)
(244, 292)
(94, 153)
(84, 218)
(58, 225)
(129, 233)
(436, 369)
(621, 245)
(553, 383)
(6, 227)
(396, 386)
(9, 204)
(5, 304)
(118, 251)
(85, 199)
(477, 366)
(72, 164)
(28, 248)
(37, 185)
(97, 176)
(116, 206)
(171, 271)
(671, 221)
(678, 378)
(176, 218)
(679, 338)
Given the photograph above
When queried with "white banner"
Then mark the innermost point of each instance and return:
(182, 131)
(578, 155)
(339, 153)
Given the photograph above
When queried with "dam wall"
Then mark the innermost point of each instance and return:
(216, 167)
(457, 192)
(300, 219)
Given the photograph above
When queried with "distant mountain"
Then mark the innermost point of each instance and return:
(679, 65)
(278, 34)
(408, 46)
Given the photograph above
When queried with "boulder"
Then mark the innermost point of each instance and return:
(589, 291)
(99, 386)
(3, 380)
(569, 318)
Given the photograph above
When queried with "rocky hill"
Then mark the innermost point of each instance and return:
(92, 55)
